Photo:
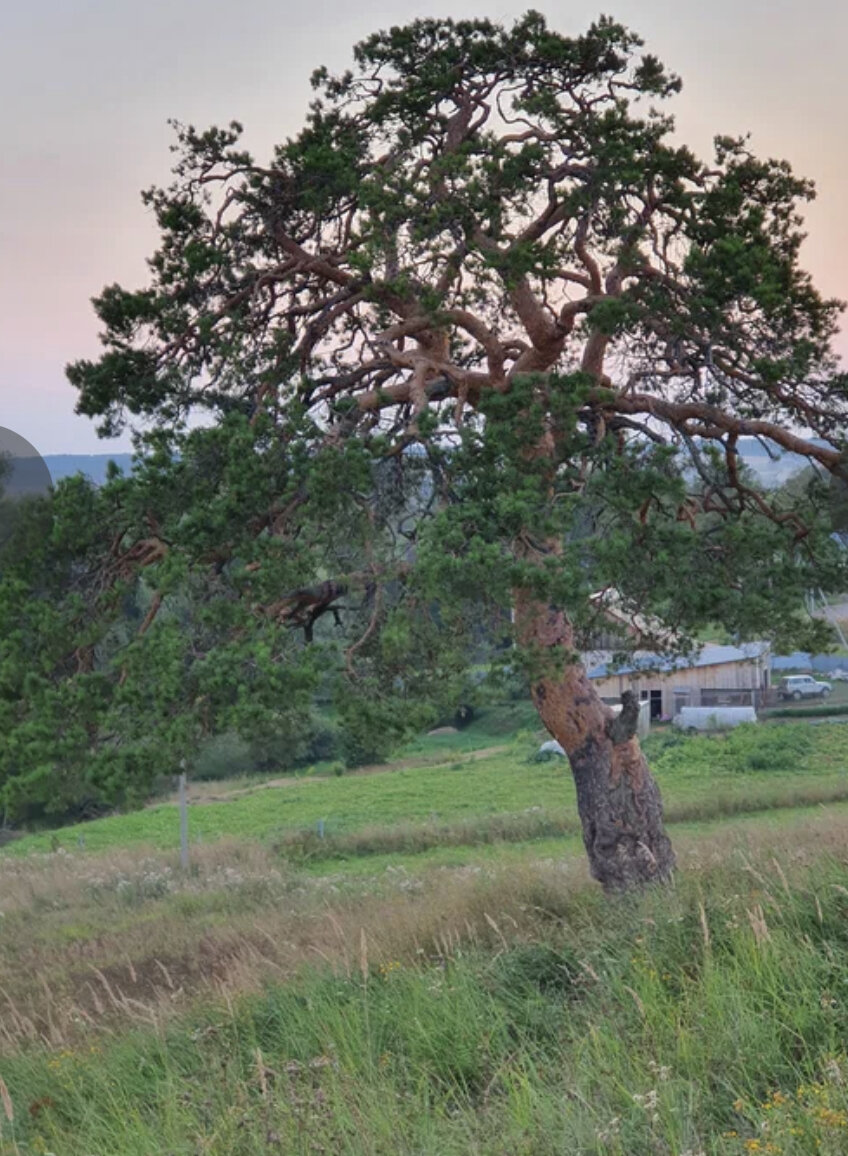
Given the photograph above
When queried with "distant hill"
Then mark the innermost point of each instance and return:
(771, 465)
(25, 477)
(92, 465)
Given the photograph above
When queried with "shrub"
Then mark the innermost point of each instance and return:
(222, 757)
(821, 710)
(317, 742)
(751, 747)
(373, 729)
(320, 744)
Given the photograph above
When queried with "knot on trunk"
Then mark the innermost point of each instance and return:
(622, 728)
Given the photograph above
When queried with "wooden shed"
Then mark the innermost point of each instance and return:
(716, 676)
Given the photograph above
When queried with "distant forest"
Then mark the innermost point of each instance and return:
(92, 465)
(772, 467)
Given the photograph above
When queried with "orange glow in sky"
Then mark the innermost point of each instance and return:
(87, 88)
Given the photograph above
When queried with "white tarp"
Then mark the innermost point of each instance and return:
(713, 718)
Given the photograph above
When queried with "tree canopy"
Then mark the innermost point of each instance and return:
(473, 348)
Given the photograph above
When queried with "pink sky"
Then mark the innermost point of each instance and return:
(87, 88)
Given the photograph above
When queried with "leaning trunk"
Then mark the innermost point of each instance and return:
(617, 797)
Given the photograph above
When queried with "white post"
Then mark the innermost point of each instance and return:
(183, 821)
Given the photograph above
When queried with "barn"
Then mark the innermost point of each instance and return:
(716, 676)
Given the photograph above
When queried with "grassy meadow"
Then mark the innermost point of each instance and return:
(438, 975)
(485, 788)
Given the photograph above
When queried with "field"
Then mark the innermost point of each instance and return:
(443, 793)
(436, 974)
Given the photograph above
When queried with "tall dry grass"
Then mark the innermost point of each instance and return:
(512, 1011)
(91, 944)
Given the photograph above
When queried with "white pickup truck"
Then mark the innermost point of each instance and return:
(798, 686)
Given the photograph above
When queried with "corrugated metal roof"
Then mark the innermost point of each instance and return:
(709, 655)
(798, 659)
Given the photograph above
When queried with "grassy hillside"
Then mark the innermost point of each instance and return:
(506, 1010)
(437, 975)
(502, 795)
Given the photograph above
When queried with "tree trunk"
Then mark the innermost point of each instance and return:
(617, 797)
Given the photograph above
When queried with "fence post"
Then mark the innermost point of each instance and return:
(183, 820)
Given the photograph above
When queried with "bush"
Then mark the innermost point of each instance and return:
(317, 742)
(222, 757)
(820, 710)
(322, 742)
(751, 747)
(372, 729)
(229, 754)
(504, 683)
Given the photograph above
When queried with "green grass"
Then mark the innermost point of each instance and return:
(819, 710)
(701, 776)
(436, 976)
(498, 784)
(555, 847)
(711, 1017)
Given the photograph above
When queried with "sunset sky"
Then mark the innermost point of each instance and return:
(87, 87)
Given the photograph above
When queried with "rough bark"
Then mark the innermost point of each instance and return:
(617, 797)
